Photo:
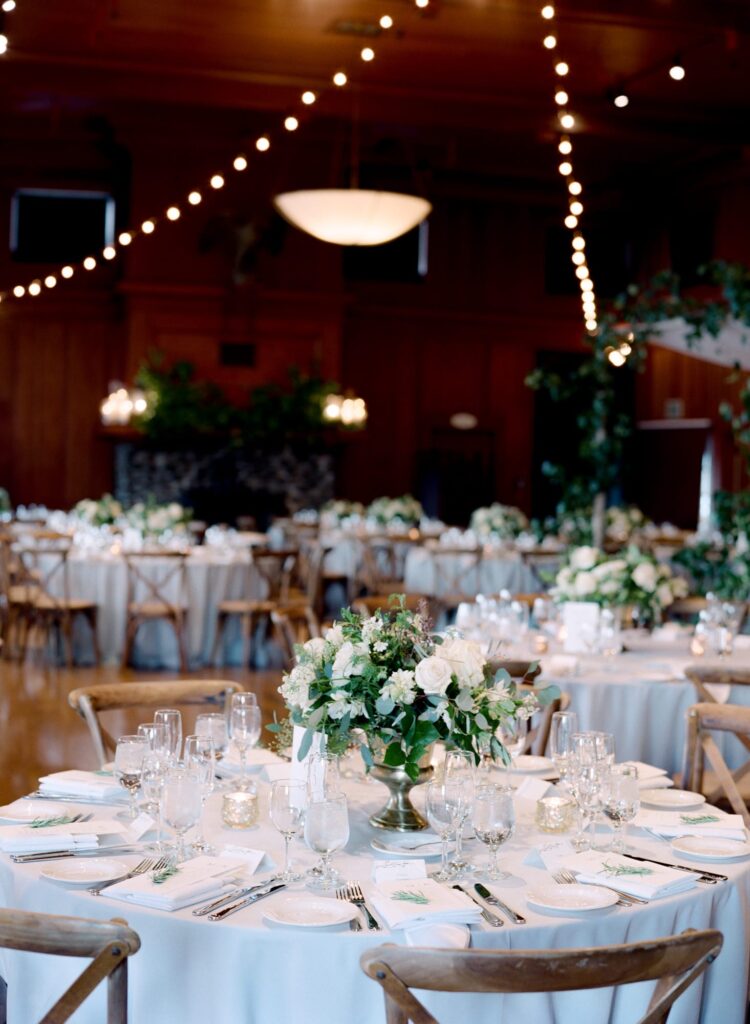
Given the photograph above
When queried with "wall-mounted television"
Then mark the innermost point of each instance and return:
(59, 225)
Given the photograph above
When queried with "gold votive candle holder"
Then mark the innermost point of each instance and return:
(240, 810)
(555, 813)
(541, 644)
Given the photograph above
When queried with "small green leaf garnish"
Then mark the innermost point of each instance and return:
(410, 896)
(617, 870)
(698, 819)
(63, 819)
(158, 877)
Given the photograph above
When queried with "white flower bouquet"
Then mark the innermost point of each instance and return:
(153, 519)
(388, 678)
(629, 578)
(623, 522)
(405, 511)
(98, 513)
(339, 510)
(504, 522)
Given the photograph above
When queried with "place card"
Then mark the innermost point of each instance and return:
(138, 827)
(550, 855)
(532, 789)
(581, 622)
(392, 870)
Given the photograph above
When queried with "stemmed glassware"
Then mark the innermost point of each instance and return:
(171, 719)
(621, 799)
(129, 755)
(197, 757)
(243, 699)
(445, 809)
(493, 819)
(155, 733)
(287, 808)
(591, 756)
(326, 831)
(245, 729)
(512, 733)
(459, 767)
(213, 730)
(181, 804)
(564, 724)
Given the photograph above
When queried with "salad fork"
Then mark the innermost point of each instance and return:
(354, 924)
(564, 877)
(354, 895)
(147, 864)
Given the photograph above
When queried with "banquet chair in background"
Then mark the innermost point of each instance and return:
(720, 784)
(383, 560)
(685, 609)
(702, 675)
(153, 577)
(91, 701)
(457, 574)
(293, 625)
(674, 963)
(108, 943)
(540, 725)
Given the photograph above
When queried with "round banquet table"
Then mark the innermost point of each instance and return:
(498, 570)
(190, 970)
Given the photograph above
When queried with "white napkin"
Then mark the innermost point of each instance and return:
(560, 665)
(90, 785)
(257, 757)
(196, 880)
(438, 936)
(443, 906)
(83, 835)
(686, 823)
(649, 776)
(592, 866)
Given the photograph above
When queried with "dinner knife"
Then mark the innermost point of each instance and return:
(487, 896)
(246, 902)
(709, 877)
(490, 918)
(97, 851)
(238, 894)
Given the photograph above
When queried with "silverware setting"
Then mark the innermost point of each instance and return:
(708, 877)
(490, 918)
(563, 877)
(487, 896)
(236, 894)
(97, 851)
(352, 893)
(147, 864)
(248, 901)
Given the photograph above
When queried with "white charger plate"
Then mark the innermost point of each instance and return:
(85, 871)
(571, 899)
(310, 912)
(672, 799)
(529, 764)
(399, 845)
(707, 848)
(22, 811)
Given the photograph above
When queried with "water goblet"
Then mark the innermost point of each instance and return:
(129, 755)
(326, 831)
(444, 806)
(181, 804)
(197, 757)
(287, 809)
(493, 819)
(585, 784)
(155, 733)
(460, 767)
(245, 726)
(171, 719)
(621, 799)
(213, 728)
(564, 724)
(243, 699)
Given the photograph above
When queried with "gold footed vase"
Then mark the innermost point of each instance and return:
(399, 814)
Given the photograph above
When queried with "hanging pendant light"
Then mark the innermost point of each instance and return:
(352, 216)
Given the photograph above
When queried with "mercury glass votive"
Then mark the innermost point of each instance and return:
(555, 813)
(541, 644)
(240, 810)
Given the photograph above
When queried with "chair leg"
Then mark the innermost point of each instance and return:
(66, 632)
(246, 624)
(179, 627)
(221, 622)
(93, 619)
(131, 628)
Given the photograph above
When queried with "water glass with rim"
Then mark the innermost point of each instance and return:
(181, 804)
(326, 832)
(493, 818)
(245, 728)
(287, 811)
(563, 725)
(172, 720)
(445, 807)
(155, 733)
(214, 730)
(459, 766)
(243, 699)
(621, 799)
(197, 757)
(129, 754)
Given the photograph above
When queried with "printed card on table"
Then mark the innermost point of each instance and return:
(581, 621)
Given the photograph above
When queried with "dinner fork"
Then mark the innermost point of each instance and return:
(564, 877)
(147, 864)
(354, 924)
(354, 895)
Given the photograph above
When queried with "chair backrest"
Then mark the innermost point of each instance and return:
(156, 577)
(294, 624)
(674, 963)
(108, 943)
(457, 572)
(685, 608)
(90, 701)
(42, 569)
(540, 725)
(700, 746)
(700, 675)
(276, 567)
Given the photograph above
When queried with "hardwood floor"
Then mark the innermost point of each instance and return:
(41, 733)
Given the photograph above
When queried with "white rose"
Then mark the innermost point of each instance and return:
(335, 635)
(433, 675)
(465, 659)
(315, 648)
(348, 660)
(585, 584)
(584, 558)
(664, 595)
(644, 576)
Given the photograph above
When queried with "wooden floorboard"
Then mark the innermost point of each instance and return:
(40, 733)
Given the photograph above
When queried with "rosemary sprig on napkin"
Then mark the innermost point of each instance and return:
(616, 870)
(159, 877)
(63, 819)
(698, 819)
(410, 896)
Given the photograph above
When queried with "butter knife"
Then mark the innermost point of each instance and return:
(246, 902)
(230, 897)
(709, 877)
(490, 918)
(487, 896)
(98, 851)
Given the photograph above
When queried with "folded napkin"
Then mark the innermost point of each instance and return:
(257, 759)
(404, 903)
(649, 881)
(89, 785)
(438, 936)
(198, 879)
(702, 821)
(83, 835)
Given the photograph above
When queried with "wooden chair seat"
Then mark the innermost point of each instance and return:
(156, 609)
(45, 603)
(238, 606)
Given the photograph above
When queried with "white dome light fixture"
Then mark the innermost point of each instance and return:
(352, 216)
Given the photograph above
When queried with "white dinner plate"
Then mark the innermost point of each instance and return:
(29, 810)
(85, 871)
(571, 899)
(415, 844)
(529, 764)
(707, 848)
(672, 799)
(310, 912)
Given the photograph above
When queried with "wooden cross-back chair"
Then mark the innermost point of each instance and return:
(540, 725)
(153, 578)
(294, 624)
(674, 963)
(91, 701)
(383, 559)
(457, 573)
(108, 943)
(701, 747)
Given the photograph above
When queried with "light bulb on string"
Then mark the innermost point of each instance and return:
(308, 97)
(561, 68)
(9, 5)
(548, 12)
(19, 291)
(216, 181)
(386, 21)
(340, 79)
(575, 188)
(35, 288)
(367, 54)
(625, 348)
(582, 272)
(240, 162)
(565, 146)
(567, 121)
(549, 42)
(89, 263)
(591, 325)
(67, 272)
(291, 124)
(263, 144)
(565, 168)
(173, 213)
(579, 242)
(571, 221)
(50, 281)
(616, 357)
(109, 252)
(147, 227)
(125, 238)
(194, 198)
(621, 100)
(3, 49)
(422, 3)
(576, 208)
(561, 97)
(587, 285)
(578, 258)
(677, 70)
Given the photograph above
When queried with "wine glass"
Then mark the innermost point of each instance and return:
(181, 804)
(604, 744)
(244, 699)
(213, 728)
(512, 733)
(287, 808)
(493, 819)
(245, 726)
(326, 831)
(171, 719)
(564, 724)
(621, 799)
(585, 783)
(153, 773)
(459, 767)
(129, 755)
(444, 806)
(197, 757)
(155, 733)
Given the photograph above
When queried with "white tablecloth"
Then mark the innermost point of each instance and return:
(190, 970)
(496, 572)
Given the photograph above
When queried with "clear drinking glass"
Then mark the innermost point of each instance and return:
(244, 699)
(494, 820)
(153, 773)
(155, 733)
(460, 767)
(444, 806)
(181, 803)
(287, 809)
(171, 719)
(326, 831)
(214, 731)
(129, 755)
(564, 725)
(621, 799)
(245, 727)
(198, 758)
(585, 784)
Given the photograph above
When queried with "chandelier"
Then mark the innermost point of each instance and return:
(352, 216)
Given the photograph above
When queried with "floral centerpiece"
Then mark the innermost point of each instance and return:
(103, 512)
(153, 519)
(631, 578)
(339, 510)
(389, 681)
(404, 511)
(623, 522)
(505, 522)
